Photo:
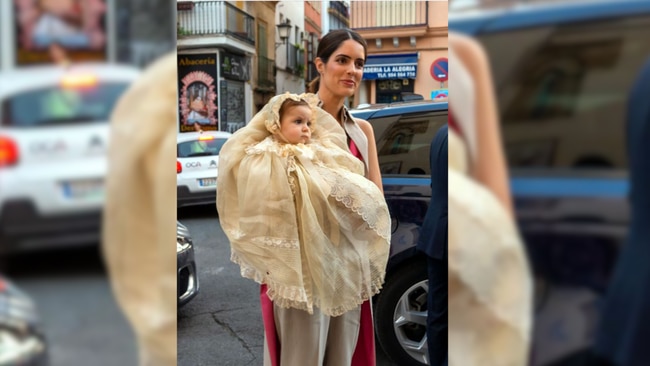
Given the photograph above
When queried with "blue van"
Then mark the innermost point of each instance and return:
(403, 133)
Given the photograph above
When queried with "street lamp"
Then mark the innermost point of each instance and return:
(283, 31)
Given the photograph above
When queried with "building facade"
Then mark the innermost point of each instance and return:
(263, 75)
(407, 50)
(313, 31)
(216, 45)
(290, 52)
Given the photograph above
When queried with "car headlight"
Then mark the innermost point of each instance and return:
(16, 348)
(182, 244)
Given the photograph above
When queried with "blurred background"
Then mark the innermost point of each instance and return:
(63, 65)
(562, 73)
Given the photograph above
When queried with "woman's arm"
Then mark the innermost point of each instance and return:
(490, 167)
(373, 161)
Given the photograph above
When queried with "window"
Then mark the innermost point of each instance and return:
(562, 98)
(403, 142)
(262, 45)
(58, 105)
(199, 148)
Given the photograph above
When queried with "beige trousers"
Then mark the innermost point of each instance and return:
(315, 340)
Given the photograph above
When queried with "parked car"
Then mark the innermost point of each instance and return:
(403, 133)
(53, 142)
(22, 341)
(187, 280)
(197, 166)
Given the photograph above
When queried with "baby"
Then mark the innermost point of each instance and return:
(300, 215)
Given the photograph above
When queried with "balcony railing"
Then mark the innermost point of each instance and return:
(215, 17)
(265, 76)
(376, 14)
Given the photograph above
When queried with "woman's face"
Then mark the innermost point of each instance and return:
(342, 73)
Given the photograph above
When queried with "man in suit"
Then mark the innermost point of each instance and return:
(433, 243)
(624, 332)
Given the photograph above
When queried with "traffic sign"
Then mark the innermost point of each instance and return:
(440, 69)
(440, 94)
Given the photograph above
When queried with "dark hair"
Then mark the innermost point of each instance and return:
(290, 103)
(330, 43)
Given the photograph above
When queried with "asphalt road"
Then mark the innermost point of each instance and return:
(80, 318)
(222, 325)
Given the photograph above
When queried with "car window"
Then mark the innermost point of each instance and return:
(199, 148)
(403, 142)
(61, 105)
(563, 96)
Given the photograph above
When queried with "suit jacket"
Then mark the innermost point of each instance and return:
(433, 234)
(625, 324)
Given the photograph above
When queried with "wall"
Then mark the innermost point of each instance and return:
(295, 12)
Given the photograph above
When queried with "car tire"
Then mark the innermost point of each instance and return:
(403, 293)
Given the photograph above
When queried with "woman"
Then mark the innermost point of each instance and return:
(490, 287)
(339, 60)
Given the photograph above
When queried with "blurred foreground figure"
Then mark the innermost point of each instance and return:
(490, 286)
(624, 333)
(139, 217)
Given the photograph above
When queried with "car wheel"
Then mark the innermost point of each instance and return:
(401, 315)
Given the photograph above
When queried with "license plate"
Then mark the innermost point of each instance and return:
(208, 182)
(84, 189)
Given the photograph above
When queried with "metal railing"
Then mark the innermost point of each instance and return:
(215, 17)
(378, 14)
(265, 76)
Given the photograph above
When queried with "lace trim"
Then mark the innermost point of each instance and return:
(276, 242)
(374, 218)
(300, 298)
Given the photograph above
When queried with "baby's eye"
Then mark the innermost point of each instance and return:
(308, 124)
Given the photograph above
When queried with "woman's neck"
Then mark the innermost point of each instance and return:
(331, 104)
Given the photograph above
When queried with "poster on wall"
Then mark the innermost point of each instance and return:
(197, 89)
(60, 31)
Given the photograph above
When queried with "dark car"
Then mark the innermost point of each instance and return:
(22, 341)
(562, 73)
(187, 280)
(404, 132)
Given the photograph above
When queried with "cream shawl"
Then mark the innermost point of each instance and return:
(302, 218)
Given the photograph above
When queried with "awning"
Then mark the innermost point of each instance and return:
(396, 66)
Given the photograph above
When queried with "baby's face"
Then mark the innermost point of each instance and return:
(295, 124)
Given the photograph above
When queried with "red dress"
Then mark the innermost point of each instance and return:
(364, 353)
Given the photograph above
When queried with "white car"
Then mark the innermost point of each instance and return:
(53, 142)
(196, 166)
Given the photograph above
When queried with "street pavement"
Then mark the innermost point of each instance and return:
(222, 325)
(80, 317)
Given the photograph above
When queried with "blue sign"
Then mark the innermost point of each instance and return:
(401, 66)
(439, 94)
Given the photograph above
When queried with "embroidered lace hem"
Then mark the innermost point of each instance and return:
(297, 297)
